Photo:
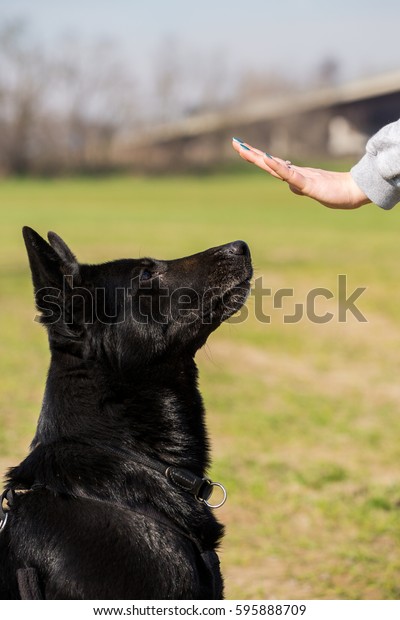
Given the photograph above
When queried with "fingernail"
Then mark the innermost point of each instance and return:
(268, 155)
(238, 140)
(243, 146)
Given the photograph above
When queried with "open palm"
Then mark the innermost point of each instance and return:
(336, 190)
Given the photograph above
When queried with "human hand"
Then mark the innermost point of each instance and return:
(336, 190)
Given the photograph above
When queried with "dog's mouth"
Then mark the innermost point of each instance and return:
(229, 300)
(235, 298)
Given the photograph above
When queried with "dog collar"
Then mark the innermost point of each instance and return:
(6, 501)
(201, 488)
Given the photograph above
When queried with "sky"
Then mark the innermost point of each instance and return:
(290, 37)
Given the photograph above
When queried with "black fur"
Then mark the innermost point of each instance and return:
(122, 381)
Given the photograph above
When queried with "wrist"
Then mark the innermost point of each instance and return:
(357, 198)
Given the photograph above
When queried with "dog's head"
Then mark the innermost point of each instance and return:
(131, 311)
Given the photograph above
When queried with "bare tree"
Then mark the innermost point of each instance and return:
(64, 111)
(207, 81)
(24, 83)
(97, 97)
(186, 81)
(168, 80)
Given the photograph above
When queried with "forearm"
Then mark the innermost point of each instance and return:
(378, 172)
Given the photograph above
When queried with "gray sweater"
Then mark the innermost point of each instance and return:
(378, 172)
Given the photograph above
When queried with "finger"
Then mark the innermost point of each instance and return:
(244, 151)
(291, 174)
(263, 160)
(296, 191)
(255, 156)
(238, 144)
(252, 148)
(257, 159)
(284, 162)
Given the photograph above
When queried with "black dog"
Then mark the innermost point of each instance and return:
(112, 501)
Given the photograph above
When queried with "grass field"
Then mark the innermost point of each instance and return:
(304, 417)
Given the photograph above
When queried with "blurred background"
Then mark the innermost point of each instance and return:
(115, 128)
(161, 86)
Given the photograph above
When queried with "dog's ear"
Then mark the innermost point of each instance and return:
(63, 251)
(55, 274)
(49, 263)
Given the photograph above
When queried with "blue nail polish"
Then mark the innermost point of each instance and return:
(268, 155)
(237, 140)
(243, 146)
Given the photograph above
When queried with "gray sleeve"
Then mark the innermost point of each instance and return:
(378, 172)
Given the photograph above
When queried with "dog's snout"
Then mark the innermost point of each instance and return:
(237, 247)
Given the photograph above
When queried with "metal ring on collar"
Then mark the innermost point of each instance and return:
(3, 522)
(222, 502)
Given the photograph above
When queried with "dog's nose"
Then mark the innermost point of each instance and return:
(237, 247)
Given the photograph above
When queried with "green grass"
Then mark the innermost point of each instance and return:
(304, 417)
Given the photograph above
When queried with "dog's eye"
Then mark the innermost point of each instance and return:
(145, 275)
